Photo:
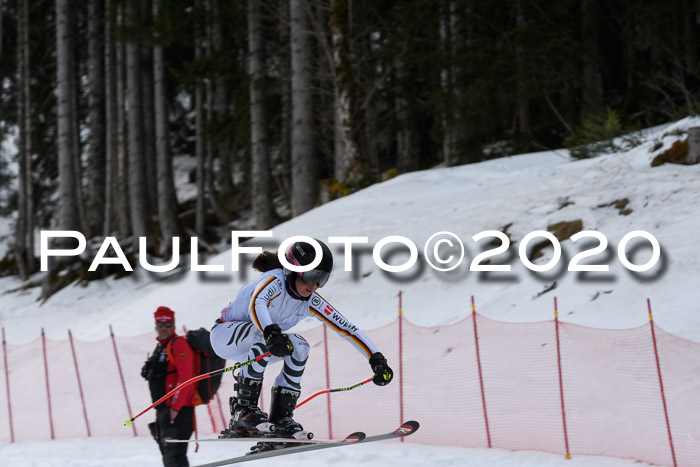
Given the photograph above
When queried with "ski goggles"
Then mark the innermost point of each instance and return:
(315, 276)
(164, 325)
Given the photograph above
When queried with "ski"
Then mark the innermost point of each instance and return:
(406, 429)
(256, 439)
(351, 439)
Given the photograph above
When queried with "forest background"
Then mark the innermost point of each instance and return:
(287, 104)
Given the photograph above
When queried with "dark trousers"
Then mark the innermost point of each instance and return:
(174, 454)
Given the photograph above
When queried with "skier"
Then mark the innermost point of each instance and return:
(255, 323)
(171, 364)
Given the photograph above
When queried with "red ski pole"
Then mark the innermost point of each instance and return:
(325, 391)
(194, 380)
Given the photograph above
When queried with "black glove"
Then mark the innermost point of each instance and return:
(147, 370)
(383, 374)
(277, 343)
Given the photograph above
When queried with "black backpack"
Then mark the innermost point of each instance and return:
(206, 361)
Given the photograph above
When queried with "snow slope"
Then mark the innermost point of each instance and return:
(529, 192)
(525, 193)
(143, 452)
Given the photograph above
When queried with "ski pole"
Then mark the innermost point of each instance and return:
(325, 391)
(194, 380)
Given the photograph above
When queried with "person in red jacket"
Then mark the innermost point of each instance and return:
(171, 364)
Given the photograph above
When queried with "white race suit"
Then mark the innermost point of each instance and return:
(238, 334)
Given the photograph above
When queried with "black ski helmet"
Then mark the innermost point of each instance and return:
(301, 254)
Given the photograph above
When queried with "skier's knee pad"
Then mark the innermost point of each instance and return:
(301, 347)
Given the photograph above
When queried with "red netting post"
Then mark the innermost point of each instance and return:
(401, 359)
(661, 382)
(561, 380)
(48, 389)
(328, 383)
(121, 376)
(194, 425)
(211, 417)
(481, 376)
(218, 402)
(7, 386)
(80, 385)
(221, 410)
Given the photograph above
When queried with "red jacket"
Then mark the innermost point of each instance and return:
(180, 369)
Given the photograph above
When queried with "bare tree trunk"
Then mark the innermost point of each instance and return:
(20, 247)
(280, 161)
(365, 45)
(138, 196)
(462, 25)
(260, 165)
(111, 122)
(24, 230)
(2, 9)
(593, 100)
(147, 114)
(407, 158)
(446, 82)
(26, 122)
(75, 118)
(199, 145)
(371, 143)
(68, 197)
(208, 116)
(122, 196)
(652, 31)
(217, 93)
(68, 174)
(630, 33)
(304, 161)
(524, 128)
(690, 22)
(167, 204)
(97, 187)
(348, 168)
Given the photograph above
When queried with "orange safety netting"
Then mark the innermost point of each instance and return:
(612, 401)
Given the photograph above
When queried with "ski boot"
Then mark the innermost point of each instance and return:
(247, 420)
(284, 401)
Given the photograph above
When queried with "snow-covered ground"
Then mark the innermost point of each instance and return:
(143, 452)
(525, 193)
(519, 194)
